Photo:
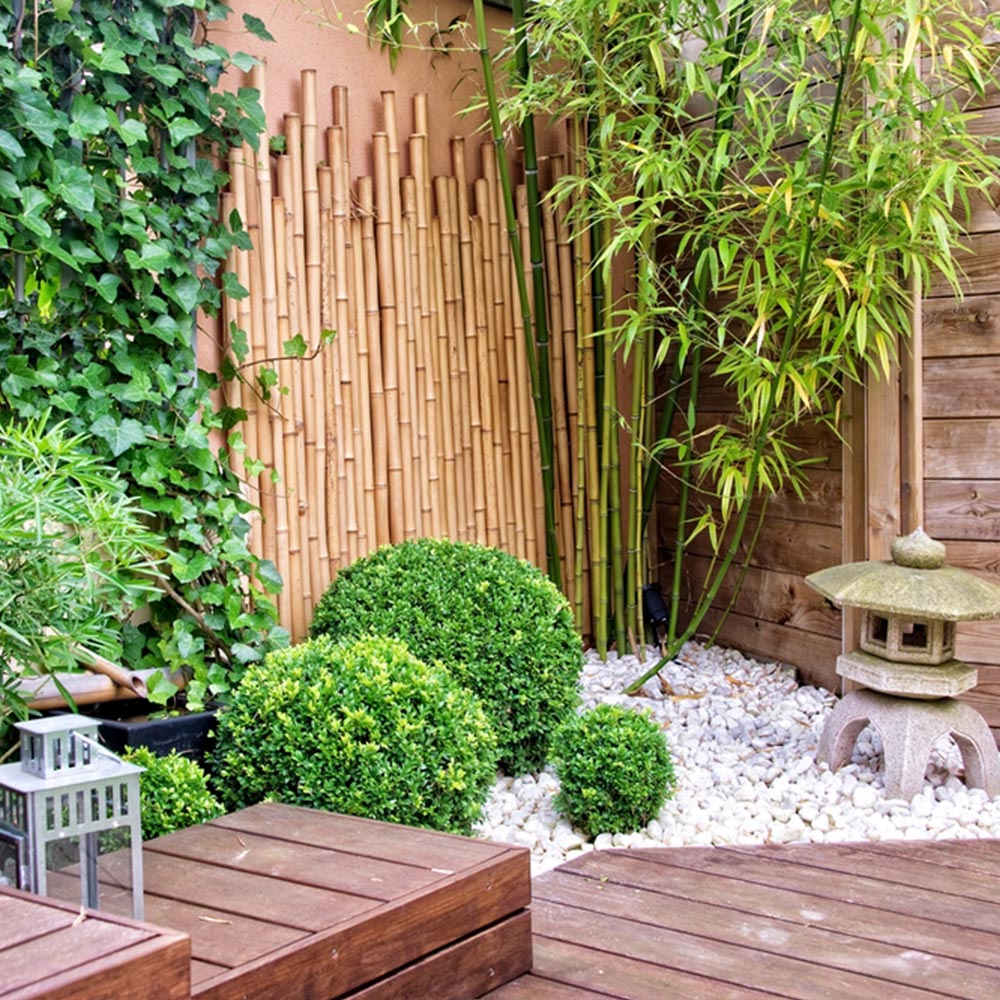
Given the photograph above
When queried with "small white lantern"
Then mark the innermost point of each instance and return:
(66, 786)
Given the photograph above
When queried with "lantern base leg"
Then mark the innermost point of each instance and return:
(909, 728)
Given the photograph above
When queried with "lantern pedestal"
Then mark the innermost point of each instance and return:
(909, 728)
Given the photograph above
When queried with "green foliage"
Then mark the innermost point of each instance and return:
(109, 244)
(175, 792)
(783, 179)
(614, 768)
(497, 623)
(75, 556)
(363, 728)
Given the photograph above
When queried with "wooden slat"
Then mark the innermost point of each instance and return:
(569, 914)
(356, 835)
(94, 955)
(361, 950)
(815, 656)
(962, 387)
(797, 869)
(962, 328)
(653, 870)
(564, 965)
(966, 509)
(285, 902)
(779, 932)
(981, 264)
(469, 968)
(23, 919)
(780, 598)
(961, 449)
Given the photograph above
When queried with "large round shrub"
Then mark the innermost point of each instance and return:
(174, 792)
(497, 623)
(614, 768)
(363, 728)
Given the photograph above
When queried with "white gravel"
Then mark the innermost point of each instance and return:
(743, 735)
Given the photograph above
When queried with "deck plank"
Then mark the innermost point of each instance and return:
(847, 961)
(895, 866)
(798, 905)
(365, 837)
(322, 867)
(466, 969)
(765, 867)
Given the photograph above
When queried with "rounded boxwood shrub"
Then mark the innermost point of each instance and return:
(495, 622)
(174, 792)
(361, 727)
(614, 768)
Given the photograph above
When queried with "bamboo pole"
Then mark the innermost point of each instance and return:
(357, 430)
(487, 336)
(301, 382)
(232, 391)
(486, 383)
(388, 333)
(416, 356)
(367, 279)
(293, 444)
(307, 241)
(534, 511)
(428, 319)
(469, 318)
(343, 474)
(409, 443)
(560, 436)
(446, 190)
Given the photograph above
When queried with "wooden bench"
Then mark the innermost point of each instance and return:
(281, 901)
(54, 950)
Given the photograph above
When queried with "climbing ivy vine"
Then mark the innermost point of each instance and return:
(112, 129)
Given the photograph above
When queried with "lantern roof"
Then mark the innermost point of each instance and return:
(914, 583)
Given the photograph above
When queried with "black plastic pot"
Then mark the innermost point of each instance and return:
(126, 724)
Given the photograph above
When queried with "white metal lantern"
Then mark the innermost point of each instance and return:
(66, 786)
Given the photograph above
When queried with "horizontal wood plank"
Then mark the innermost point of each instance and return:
(954, 328)
(979, 258)
(962, 509)
(961, 387)
(407, 928)
(961, 449)
(469, 968)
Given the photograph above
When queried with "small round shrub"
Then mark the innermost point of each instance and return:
(174, 792)
(495, 622)
(614, 768)
(363, 728)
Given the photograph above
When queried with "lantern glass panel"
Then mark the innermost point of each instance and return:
(13, 858)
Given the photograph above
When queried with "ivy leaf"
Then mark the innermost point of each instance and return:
(256, 27)
(74, 186)
(183, 128)
(269, 576)
(155, 256)
(296, 347)
(34, 203)
(9, 187)
(132, 131)
(243, 61)
(10, 146)
(231, 286)
(111, 60)
(245, 653)
(107, 287)
(119, 436)
(87, 117)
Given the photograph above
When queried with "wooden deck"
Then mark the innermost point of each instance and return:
(297, 904)
(50, 950)
(893, 921)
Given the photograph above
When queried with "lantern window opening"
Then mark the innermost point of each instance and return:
(914, 635)
(878, 630)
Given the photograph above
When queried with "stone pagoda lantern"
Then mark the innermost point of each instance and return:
(906, 665)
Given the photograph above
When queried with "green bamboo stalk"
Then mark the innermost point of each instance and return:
(542, 392)
(790, 332)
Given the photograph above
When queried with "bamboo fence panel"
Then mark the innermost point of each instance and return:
(416, 419)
